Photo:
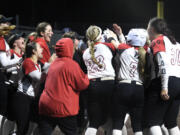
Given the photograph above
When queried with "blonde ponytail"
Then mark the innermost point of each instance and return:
(142, 62)
(93, 34)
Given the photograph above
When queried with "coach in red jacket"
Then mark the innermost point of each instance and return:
(59, 102)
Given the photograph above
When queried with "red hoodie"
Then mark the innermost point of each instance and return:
(65, 79)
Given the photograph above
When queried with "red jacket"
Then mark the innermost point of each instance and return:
(46, 53)
(65, 79)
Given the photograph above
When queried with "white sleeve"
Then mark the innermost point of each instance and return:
(11, 69)
(5, 61)
(35, 75)
(162, 62)
(122, 38)
(46, 67)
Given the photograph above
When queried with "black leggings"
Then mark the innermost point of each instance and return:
(3, 98)
(157, 111)
(68, 125)
(99, 101)
(128, 98)
(21, 111)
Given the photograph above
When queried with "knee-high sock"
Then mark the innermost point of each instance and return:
(164, 130)
(126, 118)
(8, 127)
(155, 130)
(174, 131)
(124, 130)
(116, 132)
(138, 133)
(91, 131)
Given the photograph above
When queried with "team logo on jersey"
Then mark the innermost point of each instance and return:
(92, 67)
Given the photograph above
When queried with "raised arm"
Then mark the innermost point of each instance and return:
(118, 30)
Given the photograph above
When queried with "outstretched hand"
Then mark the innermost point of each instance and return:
(117, 29)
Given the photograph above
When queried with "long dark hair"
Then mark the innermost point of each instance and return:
(161, 27)
(29, 49)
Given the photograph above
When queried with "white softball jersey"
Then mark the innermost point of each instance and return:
(129, 63)
(167, 56)
(103, 54)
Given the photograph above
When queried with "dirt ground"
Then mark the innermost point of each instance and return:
(100, 132)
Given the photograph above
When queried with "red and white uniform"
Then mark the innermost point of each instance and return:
(167, 56)
(129, 63)
(5, 54)
(30, 78)
(16, 56)
(104, 56)
(13, 72)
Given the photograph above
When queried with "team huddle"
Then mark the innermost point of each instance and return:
(111, 77)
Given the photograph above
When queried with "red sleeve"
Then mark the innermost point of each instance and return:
(123, 46)
(158, 45)
(78, 79)
(46, 53)
(2, 44)
(28, 66)
(110, 45)
(45, 58)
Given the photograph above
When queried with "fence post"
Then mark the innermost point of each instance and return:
(160, 9)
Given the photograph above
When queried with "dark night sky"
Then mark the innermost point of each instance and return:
(78, 14)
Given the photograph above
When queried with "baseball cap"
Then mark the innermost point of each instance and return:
(4, 19)
(14, 37)
(137, 37)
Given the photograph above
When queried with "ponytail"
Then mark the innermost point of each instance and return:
(142, 62)
(93, 34)
(91, 46)
(168, 33)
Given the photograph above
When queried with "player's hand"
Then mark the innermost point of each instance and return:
(117, 29)
(164, 94)
(52, 58)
